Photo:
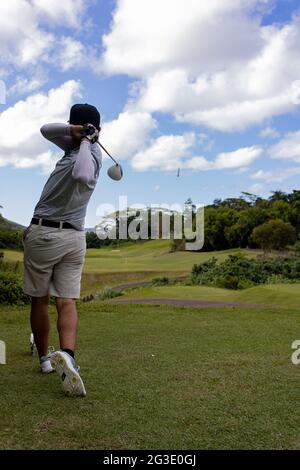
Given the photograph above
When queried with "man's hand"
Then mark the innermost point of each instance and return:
(77, 131)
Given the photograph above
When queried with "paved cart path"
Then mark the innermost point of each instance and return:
(185, 303)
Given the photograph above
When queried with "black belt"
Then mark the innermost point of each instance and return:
(51, 223)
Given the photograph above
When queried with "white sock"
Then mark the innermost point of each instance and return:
(46, 366)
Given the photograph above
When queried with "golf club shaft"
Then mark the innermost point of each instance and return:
(107, 153)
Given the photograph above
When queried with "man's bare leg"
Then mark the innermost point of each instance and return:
(67, 323)
(63, 361)
(40, 324)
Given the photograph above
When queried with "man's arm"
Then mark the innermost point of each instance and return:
(84, 167)
(64, 136)
(58, 134)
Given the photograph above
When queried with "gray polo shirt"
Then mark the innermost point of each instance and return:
(68, 190)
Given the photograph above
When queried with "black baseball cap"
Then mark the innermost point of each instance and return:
(81, 114)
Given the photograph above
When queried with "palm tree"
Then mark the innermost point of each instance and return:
(278, 196)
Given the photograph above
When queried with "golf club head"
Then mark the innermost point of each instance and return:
(115, 172)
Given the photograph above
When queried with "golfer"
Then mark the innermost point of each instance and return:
(55, 243)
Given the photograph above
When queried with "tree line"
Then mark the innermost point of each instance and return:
(250, 221)
(247, 221)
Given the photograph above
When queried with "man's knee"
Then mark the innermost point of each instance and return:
(63, 303)
(40, 300)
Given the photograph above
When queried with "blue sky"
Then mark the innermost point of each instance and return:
(212, 88)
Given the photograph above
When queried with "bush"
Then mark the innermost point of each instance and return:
(238, 272)
(296, 247)
(162, 281)
(229, 282)
(274, 235)
(11, 239)
(11, 291)
(108, 293)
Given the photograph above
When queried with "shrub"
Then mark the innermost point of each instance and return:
(11, 239)
(162, 281)
(11, 291)
(229, 282)
(108, 293)
(238, 272)
(274, 235)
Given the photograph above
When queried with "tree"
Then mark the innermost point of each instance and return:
(280, 210)
(92, 241)
(278, 196)
(274, 235)
(251, 198)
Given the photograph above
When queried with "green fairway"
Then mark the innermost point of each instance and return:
(157, 378)
(150, 256)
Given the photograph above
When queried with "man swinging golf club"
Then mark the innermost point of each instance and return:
(55, 243)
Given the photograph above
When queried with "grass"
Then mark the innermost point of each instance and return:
(12, 255)
(131, 262)
(283, 296)
(157, 378)
(151, 256)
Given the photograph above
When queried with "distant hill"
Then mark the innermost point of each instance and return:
(6, 224)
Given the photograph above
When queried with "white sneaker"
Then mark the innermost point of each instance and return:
(67, 369)
(46, 367)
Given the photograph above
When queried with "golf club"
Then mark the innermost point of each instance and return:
(115, 172)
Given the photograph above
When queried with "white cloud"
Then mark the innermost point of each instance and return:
(122, 137)
(164, 153)
(269, 133)
(169, 152)
(287, 148)
(276, 176)
(71, 53)
(25, 85)
(25, 41)
(238, 116)
(150, 36)
(128, 133)
(229, 81)
(239, 158)
(205, 141)
(21, 40)
(61, 11)
(27, 148)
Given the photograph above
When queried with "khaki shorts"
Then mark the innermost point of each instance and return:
(53, 261)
